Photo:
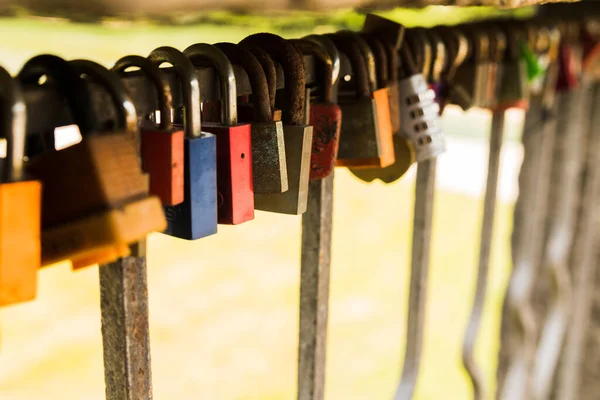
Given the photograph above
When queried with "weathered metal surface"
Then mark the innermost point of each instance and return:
(583, 264)
(519, 326)
(485, 247)
(314, 289)
(563, 198)
(423, 216)
(125, 330)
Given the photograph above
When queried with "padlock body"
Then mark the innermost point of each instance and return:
(360, 141)
(20, 249)
(394, 102)
(162, 160)
(384, 120)
(513, 89)
(464, 86)
(269, 171)
(97, 174)
(420, 118)
(104, 236)
(196, 216)
(298, 145)
(326, 120)
(234, 172)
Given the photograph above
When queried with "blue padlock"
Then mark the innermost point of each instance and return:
(196, 217)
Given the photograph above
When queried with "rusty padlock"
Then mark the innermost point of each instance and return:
(297, 135)
(20, 202)
(196, 217)
(362, 144)
(90, 214)
(325, 115)
(269, 170)
(234, 148)
(161, 146)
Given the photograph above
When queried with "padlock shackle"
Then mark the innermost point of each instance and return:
(256, 76)
(69, 83)
(416, 38)
(158, 79)
(407, 61)
(124, 107)
(13, 128)
(308, 47)
(217, 59)
(381, 60)
(292, 63)
(269, 70)
(392, 60)
(190, 86)
(357, 63)
(333, 52)
(367, 55)
(439, 61)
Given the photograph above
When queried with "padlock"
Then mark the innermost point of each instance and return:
(20, 203)
(92, 212)
(297, 135)
(513, 88)
(471, 76)
(590, 37)
(196, 217)
(497, 50)
(234, 148)
(419, 111)
(569, 67)
(269, 171)
(361, 142)
(456, 47)
(325, 115)
(161, 146)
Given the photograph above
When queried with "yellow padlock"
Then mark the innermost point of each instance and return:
(20, 253)
(95, 201)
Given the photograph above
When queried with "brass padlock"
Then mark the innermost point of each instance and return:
(92, 212)
(20, 202)
(269, 170)
(297, 135)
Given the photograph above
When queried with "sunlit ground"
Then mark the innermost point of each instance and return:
(224, 310)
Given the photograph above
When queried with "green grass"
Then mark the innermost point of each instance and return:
(224, 310)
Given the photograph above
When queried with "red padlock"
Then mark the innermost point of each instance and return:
(162, 146)
(570, 54)
(325, 115)
(234, 146)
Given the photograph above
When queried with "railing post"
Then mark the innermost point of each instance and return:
(125, 329)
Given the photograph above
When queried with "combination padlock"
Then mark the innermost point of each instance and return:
(92, 213)
(20, 203)
(297, 135)
(269, 170)
(325, 115)
(234, 147)
(196, 217)
(161, 146)
(362, 144)
(419, 111)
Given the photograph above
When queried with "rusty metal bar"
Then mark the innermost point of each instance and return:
(485, 247)
(583, 256)
(560, 227)
(125, 328)
(527, 245)
(417, 299)
(314, 289)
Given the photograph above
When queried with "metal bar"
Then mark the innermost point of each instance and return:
(485, 247)
(417, 299)
(527, 245)
(125, 328)
(314, 289)
(560, 223)
(583, 258)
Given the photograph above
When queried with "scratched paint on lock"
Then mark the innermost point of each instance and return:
(326, 120)
(196, 217)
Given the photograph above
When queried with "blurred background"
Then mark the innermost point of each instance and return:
(224, 309)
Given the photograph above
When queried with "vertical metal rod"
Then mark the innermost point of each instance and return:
(485, 247)
(125, 328)
(583, 257)
(527, 245)
(314, 289)
(563, 197)
(417, 299)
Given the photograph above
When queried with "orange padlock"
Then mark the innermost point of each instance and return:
(162, 145)
(20, 203)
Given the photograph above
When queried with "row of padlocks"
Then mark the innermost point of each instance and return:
(368, 101)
